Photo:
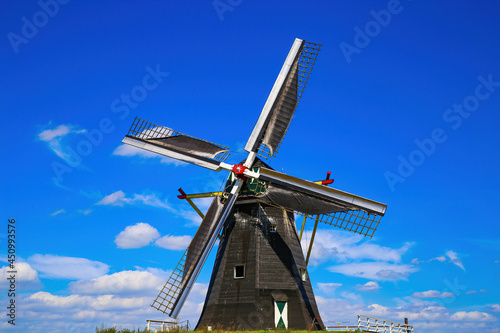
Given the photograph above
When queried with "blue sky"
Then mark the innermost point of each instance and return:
(402, 106)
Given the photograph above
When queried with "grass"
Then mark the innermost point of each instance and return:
(115, 329)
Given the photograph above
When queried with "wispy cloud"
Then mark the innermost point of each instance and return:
(58, 267)
(119, 198)
(114, 199)
(136, 236)
(452, 258)
(494, 308)
(433, 294)
(128, 150)
(60, 211)
(470, 292)
(380, 271)
(329, 287)
(51, 134)
(55, 137)
(416, 261)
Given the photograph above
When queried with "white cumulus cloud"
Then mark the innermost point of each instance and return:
(136, 236)
(124, 282)
(353, 255)
(472, 316)
(58, 267)
(370, 285)
(343, 247)
(58, 313)
(173, 242)
(49, 300)
(25, 274)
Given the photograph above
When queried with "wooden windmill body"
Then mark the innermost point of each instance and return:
(259, 279)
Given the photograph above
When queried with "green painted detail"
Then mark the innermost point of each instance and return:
(281, 324)
(252, 187)
(281, 306)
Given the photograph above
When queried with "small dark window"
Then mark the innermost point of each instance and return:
(273, 228)
(239, 272)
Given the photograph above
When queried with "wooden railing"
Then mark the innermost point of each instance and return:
(165, 326)
(372, 324)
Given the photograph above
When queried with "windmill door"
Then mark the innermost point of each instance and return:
(281, 314)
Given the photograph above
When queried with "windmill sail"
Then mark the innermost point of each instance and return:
(285, 95)
(173, 295)
(202, 237)
(168, 299)
(165, 141)
(331, 206)
(301, 202)
(336, 200)
(282, 113)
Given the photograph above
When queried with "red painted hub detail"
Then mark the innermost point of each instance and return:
(239, 169)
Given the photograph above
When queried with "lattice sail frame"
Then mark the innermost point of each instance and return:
(170, 292)
(145, 130)
(357, 221)
(307, 58)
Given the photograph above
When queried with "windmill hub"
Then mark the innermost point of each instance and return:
(260, 278)
(239, 170)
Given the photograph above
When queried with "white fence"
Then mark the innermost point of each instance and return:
(372, 324)
(165, 326)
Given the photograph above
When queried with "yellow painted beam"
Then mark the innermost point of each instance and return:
(195, 208)
(312, 239)
(203, 195)
(302, 228)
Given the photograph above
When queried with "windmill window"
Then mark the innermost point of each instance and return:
(303, 275)
(273, 227)
(239, 271)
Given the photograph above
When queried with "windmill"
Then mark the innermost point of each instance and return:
(260, 278)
